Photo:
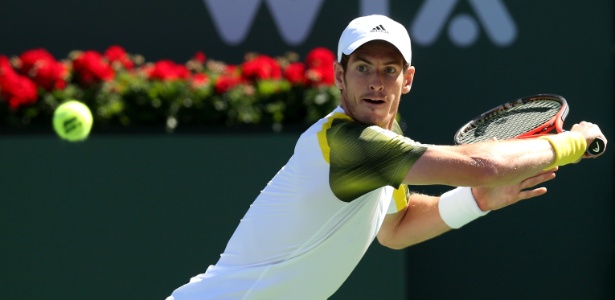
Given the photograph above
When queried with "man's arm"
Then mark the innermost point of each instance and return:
(482, 164)
(500, 173)
(416, 223)
(493, 163)
(421, 219)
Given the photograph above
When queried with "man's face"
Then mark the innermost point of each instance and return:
(373, 83)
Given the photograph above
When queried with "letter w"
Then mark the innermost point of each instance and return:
(233, 18)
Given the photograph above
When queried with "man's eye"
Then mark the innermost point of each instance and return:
(362, 68)
(390, 70)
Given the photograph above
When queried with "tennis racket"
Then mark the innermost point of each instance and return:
(526, 117)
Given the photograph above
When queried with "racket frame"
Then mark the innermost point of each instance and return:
(554, 123)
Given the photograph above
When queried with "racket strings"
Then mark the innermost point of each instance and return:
(511, 120)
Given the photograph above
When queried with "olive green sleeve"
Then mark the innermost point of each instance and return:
(365, 158)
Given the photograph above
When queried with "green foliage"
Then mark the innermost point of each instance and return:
(124, 90)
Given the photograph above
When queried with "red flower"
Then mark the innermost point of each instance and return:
(29, 59)
(227, 80)
(91, 67)
(199, 80)
(295, 73)
(168, 70)
(51, 75)
(17, 90)
(5, 67)
(43, 69)
(116, 55)
(224, 83)
(262, 67)
(320, 76)
(320, 63)
(200, 57)
(320, 58)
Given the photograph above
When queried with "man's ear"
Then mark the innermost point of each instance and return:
(408, 78)
(338, 71)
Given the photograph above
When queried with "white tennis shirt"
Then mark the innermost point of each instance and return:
(308, 229)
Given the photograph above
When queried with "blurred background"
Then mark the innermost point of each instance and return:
(134, 216)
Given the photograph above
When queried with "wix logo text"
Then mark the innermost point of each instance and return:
(294, 20)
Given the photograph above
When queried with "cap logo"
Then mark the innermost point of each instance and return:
(379, 28)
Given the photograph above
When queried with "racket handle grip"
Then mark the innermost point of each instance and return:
(596, 147)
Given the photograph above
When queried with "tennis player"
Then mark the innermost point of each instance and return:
(347, 182)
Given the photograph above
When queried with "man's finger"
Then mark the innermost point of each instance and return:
(523, 195)
(538, 179)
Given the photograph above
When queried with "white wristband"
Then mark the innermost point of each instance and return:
(458, 207)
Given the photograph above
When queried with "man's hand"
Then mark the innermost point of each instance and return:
(492, 198)
(591, 132)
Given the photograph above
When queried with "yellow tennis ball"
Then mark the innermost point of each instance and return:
(72, 121)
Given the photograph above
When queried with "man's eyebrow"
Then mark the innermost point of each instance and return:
(363, 59)
(367, 61)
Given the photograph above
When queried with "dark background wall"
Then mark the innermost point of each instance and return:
(119, 217)
(143, 213)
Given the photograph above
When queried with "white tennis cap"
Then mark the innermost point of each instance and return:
(374, 27)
